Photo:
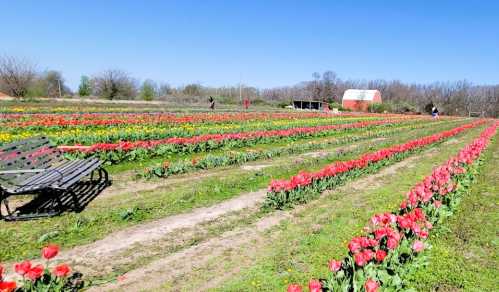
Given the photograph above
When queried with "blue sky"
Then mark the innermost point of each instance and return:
(266, 43)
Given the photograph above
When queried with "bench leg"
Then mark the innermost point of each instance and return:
(5, 203)
(103, 173)
(14, 215)
(76, 203)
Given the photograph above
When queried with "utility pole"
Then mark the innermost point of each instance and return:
(59, 83)
(240, 90)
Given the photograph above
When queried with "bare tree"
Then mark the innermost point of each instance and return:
(165, 89)
(16, 75)
(192, 89)
(317, 86)
(329, 85)
(114, 84)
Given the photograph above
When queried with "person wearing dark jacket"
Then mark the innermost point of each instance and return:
(212, 103)
(434, 112)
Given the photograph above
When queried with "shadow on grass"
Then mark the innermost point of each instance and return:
(53, 203)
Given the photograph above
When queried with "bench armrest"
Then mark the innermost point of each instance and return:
(15, 171)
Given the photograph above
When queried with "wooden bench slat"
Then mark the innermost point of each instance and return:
(89, 168)
(47, 175)
(16, 171)
(69, 173)
(53, 174)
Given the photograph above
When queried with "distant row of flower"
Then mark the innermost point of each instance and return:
(209, 161)
(393, 241)
(298, 189)
(134, 150)
(41, 277)
(88, 135)
(108, 119)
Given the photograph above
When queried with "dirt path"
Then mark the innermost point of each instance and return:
(155, 230)
(242, 242)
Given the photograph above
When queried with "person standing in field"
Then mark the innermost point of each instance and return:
(434, 112)
(212, 103)
(325, 105)
(246, 103)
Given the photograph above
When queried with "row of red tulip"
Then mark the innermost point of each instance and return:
(395, 239)
(304, 179)
(217, 138)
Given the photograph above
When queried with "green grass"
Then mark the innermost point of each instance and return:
(324, 227)
(111, 214)
(464, 253)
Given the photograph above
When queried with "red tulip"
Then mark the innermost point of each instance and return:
(359, 259)
(294, 288)
(34, 273)
(50, 251)
(314, 286)
(368, 255)
(423, 234)
(354, 245)
(380, 255)
(61, 270)
(391, 243)
(334, 266)
(418, 246)
(22, 268)
(371, 285)
(1, 272)
(7, 286)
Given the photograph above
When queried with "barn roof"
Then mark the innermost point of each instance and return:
(360, 94)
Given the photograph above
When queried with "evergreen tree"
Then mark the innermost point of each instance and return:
(148, 90)
(85, 88)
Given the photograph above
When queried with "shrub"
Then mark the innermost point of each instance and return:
(85, 88)
(148, 91)
(379, 107)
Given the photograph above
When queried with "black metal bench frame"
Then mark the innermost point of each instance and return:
(36, 167)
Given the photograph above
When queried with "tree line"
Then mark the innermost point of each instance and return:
(20, 78)
(453, 98)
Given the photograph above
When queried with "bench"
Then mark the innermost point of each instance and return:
(35, 166)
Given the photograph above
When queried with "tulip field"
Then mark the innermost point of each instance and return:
(261, 201)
